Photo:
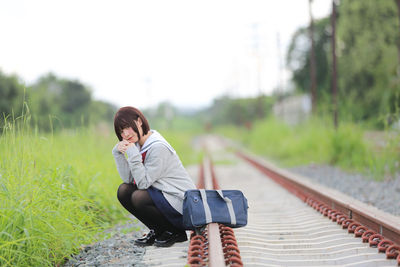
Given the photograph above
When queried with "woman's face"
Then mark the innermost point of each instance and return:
(128, 134)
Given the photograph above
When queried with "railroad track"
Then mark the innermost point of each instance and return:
(291, 222)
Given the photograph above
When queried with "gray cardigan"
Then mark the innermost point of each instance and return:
(161, 169)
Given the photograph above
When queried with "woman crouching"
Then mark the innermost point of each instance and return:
(154, 179)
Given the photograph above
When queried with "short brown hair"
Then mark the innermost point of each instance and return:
(125, 118)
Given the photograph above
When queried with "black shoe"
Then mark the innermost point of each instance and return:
(147, 239)
(167, 239)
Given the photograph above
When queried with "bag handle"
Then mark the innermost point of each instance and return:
(230, 207)
(207, 210)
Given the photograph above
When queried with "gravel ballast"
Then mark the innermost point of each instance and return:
(119, 250)
(384, 195)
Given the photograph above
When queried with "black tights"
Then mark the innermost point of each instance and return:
(139, 203)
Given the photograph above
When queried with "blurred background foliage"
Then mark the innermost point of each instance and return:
(368, 39)
(54, 103)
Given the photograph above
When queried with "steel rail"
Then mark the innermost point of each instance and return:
(215, 253)
(354, 215)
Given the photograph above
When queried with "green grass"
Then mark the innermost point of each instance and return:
(58, 191)
(316, 141)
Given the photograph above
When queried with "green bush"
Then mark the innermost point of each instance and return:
(348, 148)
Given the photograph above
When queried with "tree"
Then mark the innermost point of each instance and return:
(334, 69)
(313, 69)
(74, 102)
(44, 102)
(367, 36)
(298, 60)
(240, 111)
(367, 39)
(53, 102)
(398, 38)
(101, 111)
(66, 102)
(11, 95)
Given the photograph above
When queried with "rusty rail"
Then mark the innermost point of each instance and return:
(379, 229)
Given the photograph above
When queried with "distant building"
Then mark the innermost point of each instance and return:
(293, 109)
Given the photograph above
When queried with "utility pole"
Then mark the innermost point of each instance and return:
(280, 66)
(334, 73)
(313, 77)
(256, 49)
(256, 52)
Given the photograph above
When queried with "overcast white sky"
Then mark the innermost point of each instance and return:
(142, 52)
